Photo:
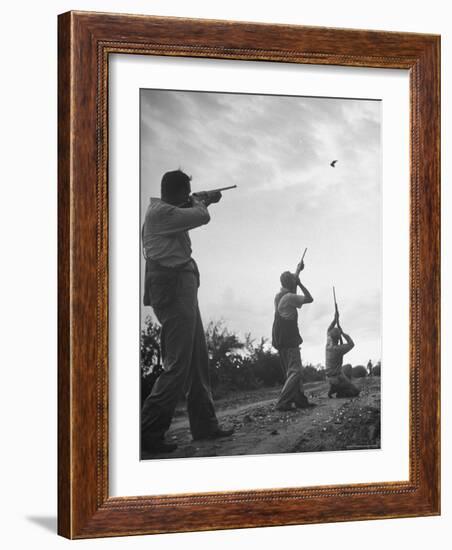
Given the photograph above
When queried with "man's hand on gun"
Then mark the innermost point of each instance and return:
(208, 197)
(336, 320)
(300, 267)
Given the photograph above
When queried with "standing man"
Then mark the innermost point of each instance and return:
(369, 367)
(171, 288)
(287, 340)
(335, 351)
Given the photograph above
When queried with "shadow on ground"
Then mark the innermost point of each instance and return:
(49, 523)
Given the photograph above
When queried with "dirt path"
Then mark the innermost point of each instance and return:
(334, 424)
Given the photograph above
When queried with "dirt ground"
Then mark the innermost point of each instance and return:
(334, 424)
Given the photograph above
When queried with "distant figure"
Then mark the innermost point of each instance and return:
(369, 367)
(335, 351)
(287, 340)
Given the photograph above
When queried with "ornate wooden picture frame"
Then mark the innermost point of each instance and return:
(85, 43)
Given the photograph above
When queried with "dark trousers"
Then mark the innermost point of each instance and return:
(341, 386)
(292, 391)
(185, 363)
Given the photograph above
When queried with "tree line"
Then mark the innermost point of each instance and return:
(235, 363)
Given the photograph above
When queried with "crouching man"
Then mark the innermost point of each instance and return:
(340, 385)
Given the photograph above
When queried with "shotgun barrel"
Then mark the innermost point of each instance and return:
(304, 253)
(202, 194)
(216, 190)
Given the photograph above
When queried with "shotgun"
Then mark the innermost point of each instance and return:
(337, 311)
(202, 194)
(214, 190)
(297, 271)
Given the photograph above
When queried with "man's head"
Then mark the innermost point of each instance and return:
(289, 281)
(334, 334)
(175, 187)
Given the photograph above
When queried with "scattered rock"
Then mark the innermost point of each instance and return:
(274, 432)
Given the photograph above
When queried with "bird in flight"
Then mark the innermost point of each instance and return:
(333, 164)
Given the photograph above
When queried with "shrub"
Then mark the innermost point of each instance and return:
(347, 370)
(150, 361)
(376, 371)
(359, 371)
(224, 360)
(313, 374)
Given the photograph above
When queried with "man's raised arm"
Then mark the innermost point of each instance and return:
(349, 343)
(333, 322)
(299, 269)
(182, 219)
(307, 298)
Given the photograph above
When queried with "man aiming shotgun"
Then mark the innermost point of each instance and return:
(287, 340)
(171, 288)
(334, 356)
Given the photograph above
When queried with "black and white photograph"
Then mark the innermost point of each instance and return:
(261, 274)
(234, 219)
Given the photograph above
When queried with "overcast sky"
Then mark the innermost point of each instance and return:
(277, 150)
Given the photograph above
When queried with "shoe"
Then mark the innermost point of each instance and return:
(307, 405)
(286, 408)
(158, 446)
(219, 432)
(303, 403)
